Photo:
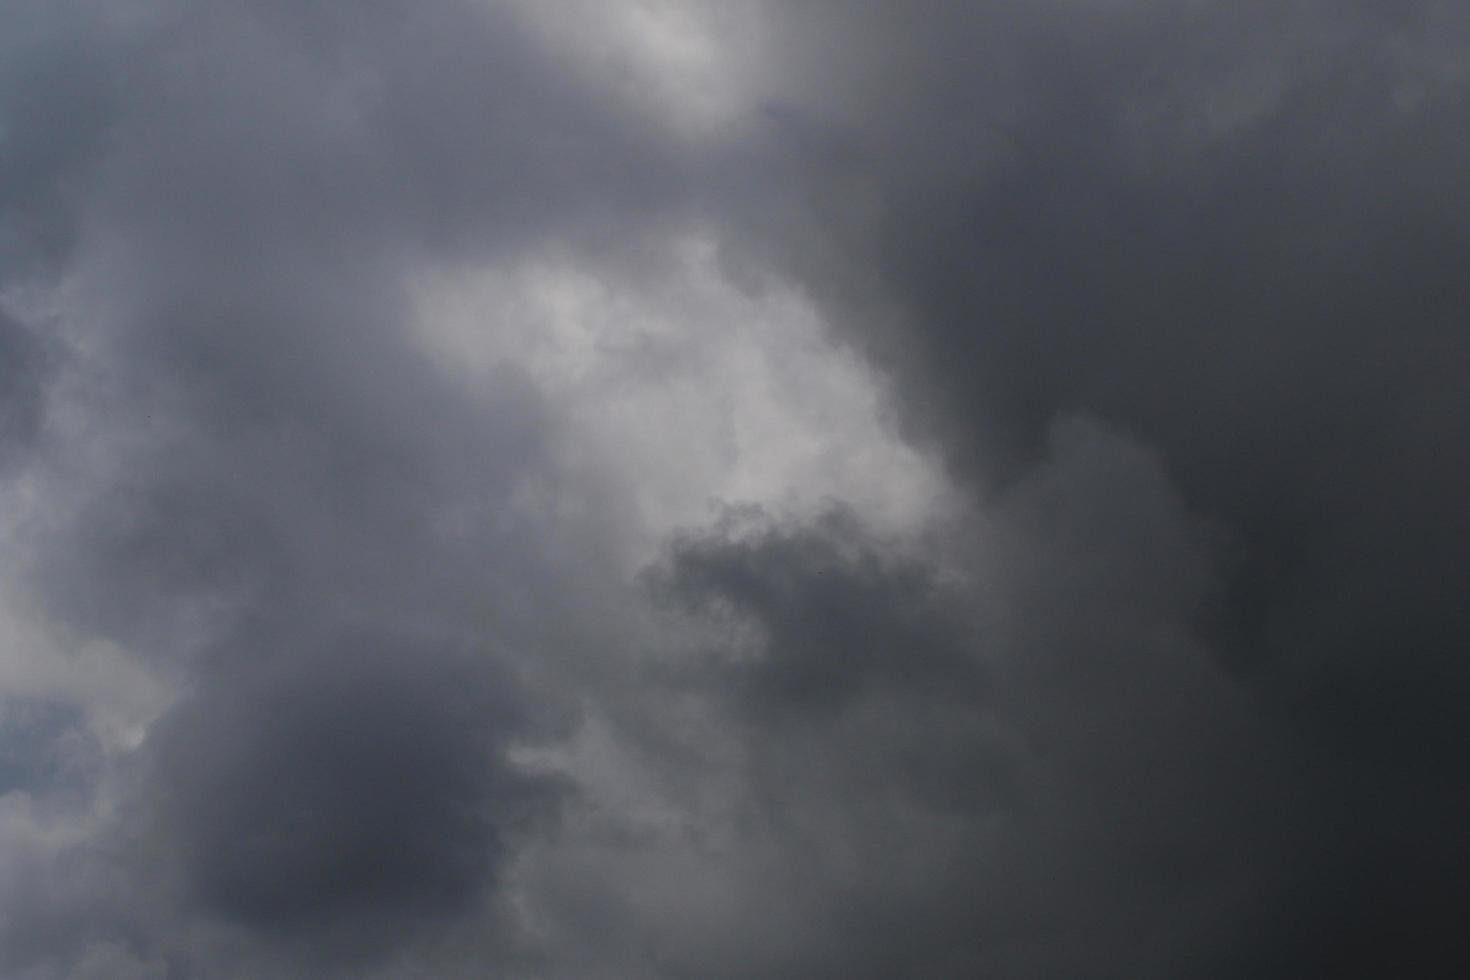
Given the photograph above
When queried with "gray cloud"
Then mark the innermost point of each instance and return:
(1078, 785)
(839, 618)
(1232, 233)
(354, 790)
(22, 389)
(267, 464)
(1174, 293)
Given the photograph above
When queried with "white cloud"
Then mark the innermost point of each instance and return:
(681, 391)
(694, 65)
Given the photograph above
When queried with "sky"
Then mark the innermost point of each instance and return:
(622, 489)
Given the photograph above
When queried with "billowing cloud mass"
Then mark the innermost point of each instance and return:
(663, 488)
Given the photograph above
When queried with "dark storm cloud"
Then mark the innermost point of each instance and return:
(51, 119)
(248, 237)
(839, 618)
(1276, 306)
(272, 179)
(55, 101)
(44, 746)
(1079, 786)
(269, 460)
(1238, 234)
(22, 387)
(362, 783)
(1178, 292)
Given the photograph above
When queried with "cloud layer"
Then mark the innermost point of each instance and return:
(653, 489)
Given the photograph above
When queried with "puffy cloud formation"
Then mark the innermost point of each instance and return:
(661, 488)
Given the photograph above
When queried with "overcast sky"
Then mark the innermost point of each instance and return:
(621, 489)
